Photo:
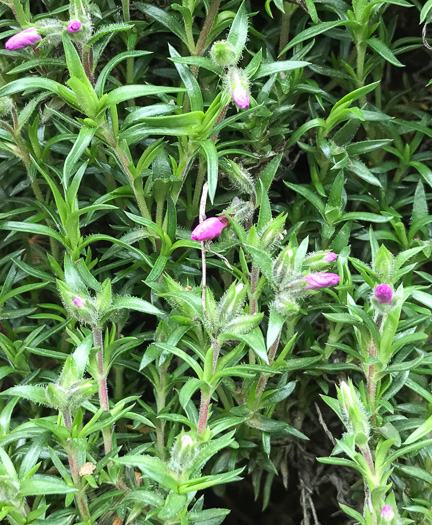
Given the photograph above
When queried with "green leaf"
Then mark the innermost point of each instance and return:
(124, 93)
(37, 62)
(192, 86)
(28, 227)
(36, 394)
(135, 303)
(103, 75)
(363, 172)
(312, 32)
(379, 47)
(308, 194)
(183, 355)
(276, 67)
(152, 467)
(425, 11)
(40, 485)
(38, 84)
(364, 216)
(310, 124)
(237, 35)
(211, 154)
(164, 18)
(84, 138)
(73, 61)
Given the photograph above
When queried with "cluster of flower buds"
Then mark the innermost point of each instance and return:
(225, 55)
(292, 282)
(32, 35)
(353, 413)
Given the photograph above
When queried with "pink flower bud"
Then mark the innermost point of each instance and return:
(240, 96)
(315, 281)
(387, 513)
(25, 38)
(384, 294)
(209, 229)
(74, 26)
(186, 441)
(238, 87)
(79, 302)
(330, 257)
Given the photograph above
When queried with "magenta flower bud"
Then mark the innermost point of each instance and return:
(74, 26)
(238, 87)
(315, 281)
(240, 96)
(25, 38)
(387, 513)
(384, 294)
(209, 229)
(330, 257)
(79, 302)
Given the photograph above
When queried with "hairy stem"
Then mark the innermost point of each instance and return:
(103, 389)
(264, 377)
(205, 31)
(80, 496)
(202, 169)
(203, 413)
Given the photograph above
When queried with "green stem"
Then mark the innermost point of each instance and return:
(202, 170)
(361, 52)
(80, 497)
(103, 389)
(205, 31)
(264, 377)
(160, 405)
(284, 33)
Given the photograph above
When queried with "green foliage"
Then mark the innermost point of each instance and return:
(140, 368)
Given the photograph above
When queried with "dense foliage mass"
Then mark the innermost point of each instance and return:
(214, 266)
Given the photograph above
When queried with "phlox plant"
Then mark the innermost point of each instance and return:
(215, 248)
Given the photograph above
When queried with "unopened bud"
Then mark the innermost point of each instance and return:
(330, 257)
(355, 418)
(387, 513)
(315, 281)
(223, 54)
(239, 177)
(383, 294)
(26, 38)
(209, 229)
(273, 233)
(239, 87)
(74, 26)
(285, 304)
(6, 106)
(79, 302)
(183, 453)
